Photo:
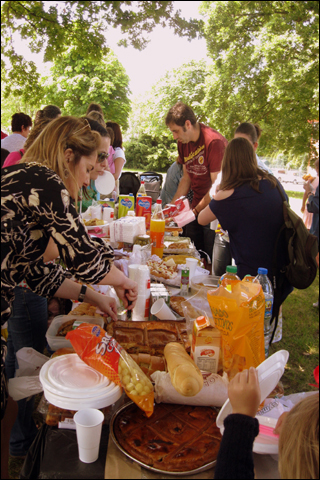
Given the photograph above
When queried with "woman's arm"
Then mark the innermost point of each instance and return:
(71, 290)
(206, 216)
(118, 164)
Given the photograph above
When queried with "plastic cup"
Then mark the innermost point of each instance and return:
(192, 263)
(133, 271)
(88, 427)
(161, 310)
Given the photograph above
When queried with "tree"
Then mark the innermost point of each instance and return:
(150, 141)
(265, 69)
(51, 29)
(77, 81)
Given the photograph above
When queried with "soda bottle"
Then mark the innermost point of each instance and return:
(229, 278)
(142, 189)
(266, 285)
(157, 228)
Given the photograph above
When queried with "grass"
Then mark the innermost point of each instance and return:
(292, 194)
(300, 337)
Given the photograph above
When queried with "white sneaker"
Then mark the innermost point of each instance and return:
(316, 305)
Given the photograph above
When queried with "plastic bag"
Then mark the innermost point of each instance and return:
(213, 393)
(103, 353)
(201, 307)
(239, 315)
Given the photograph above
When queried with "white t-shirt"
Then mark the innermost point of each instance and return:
(262, 165)
(119, 153)
(13, 142)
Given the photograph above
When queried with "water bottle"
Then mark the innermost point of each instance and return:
(266, 285)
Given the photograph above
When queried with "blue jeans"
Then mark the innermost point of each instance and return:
(27, 327)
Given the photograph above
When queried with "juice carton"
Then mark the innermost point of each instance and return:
(206, 345)
(126, 204)
(143, 208)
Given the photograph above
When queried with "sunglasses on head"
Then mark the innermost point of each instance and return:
(102, 156)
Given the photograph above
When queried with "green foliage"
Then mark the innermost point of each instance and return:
(78, 80)
(149, 152)
(52, 28)
(150, 141)
(265, 70)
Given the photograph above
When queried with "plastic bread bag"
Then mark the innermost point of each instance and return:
(103, 353)
(213, 393)
(195, 307)
(239, 315)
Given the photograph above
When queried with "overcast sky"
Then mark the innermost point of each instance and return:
(164, 52)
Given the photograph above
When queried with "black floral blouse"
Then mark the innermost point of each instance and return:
(35, 205)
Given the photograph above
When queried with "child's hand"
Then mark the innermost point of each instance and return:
(244, 392)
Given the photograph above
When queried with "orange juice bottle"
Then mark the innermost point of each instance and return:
(230, 278)
(157, 228)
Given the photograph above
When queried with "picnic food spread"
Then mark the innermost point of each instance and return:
(205, 342)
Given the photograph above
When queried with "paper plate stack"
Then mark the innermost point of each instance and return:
(70, 383)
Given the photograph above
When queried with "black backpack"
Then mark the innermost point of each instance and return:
(129, 183)
(300, 267)
(152, 184)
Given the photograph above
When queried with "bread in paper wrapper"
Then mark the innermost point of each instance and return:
(103, 353)
(213, 393)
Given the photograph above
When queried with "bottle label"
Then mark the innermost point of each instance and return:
(185, 276)
(157, 239)
(268, 308)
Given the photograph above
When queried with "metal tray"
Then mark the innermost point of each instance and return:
(205, 467)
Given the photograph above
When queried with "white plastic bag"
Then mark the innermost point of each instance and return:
(26, 382)
(213, 393)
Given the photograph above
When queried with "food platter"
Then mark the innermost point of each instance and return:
(113, 429)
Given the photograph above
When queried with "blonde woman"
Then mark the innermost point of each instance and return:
(38, 200)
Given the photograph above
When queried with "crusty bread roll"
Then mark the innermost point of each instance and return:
(184, 373)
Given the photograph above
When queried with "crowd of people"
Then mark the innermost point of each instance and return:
(51, 165)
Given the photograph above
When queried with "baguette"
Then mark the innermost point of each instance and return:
(184, 373)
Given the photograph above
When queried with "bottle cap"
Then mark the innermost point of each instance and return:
(262, 271)
(159, 201)
(131, 195)
(232, 269)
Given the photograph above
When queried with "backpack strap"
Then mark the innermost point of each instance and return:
(21, 153)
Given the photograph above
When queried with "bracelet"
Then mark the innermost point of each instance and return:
(82, 293)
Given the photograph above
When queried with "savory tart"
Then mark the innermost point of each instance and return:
(176, 438)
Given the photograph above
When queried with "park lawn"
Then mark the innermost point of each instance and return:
(300, 337)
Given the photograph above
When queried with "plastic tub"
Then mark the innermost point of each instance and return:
(56, 342)
(203, 281)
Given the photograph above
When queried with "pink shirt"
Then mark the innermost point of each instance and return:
(13, 158)
(110, 161)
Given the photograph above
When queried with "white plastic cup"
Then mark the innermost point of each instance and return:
(108, 214)
(133, 271)
(88, 427)
(161, 310)
(192, 263)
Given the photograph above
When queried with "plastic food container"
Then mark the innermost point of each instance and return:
(203, 281)
(56, 342)
(269, 373)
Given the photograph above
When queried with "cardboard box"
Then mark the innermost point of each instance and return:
(206, 345)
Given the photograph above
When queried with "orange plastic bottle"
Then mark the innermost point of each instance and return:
(157, 228)
(230, 278)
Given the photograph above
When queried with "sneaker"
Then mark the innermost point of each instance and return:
(316, 305)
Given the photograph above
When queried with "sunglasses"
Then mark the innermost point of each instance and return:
(102, 156)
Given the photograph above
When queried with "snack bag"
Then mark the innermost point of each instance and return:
(103, 353)
(239, 315)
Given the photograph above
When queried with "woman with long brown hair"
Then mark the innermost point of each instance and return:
(247, 205)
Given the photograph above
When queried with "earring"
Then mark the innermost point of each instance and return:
(66, 173)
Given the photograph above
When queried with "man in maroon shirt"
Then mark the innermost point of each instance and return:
(201, 150)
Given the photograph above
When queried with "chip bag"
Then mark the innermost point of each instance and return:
(103, 353)
(239, 315)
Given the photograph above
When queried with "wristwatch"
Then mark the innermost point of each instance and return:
(82, 293)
